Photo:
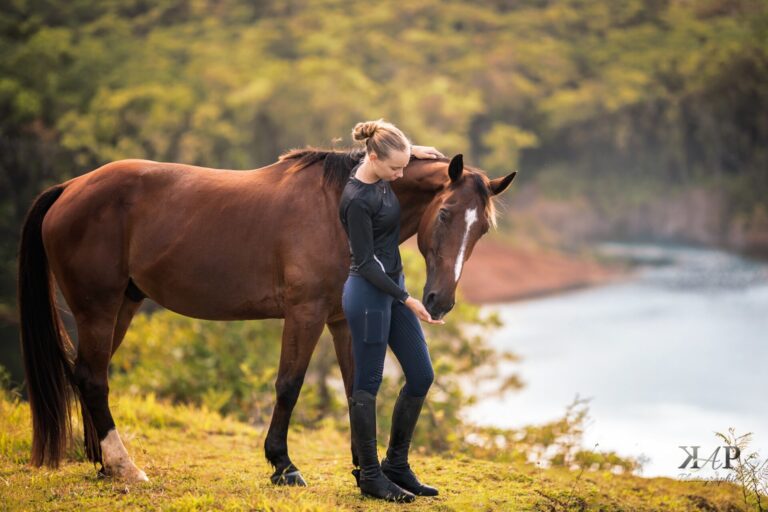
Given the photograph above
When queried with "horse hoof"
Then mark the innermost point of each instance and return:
(129, 474)
(289, 478)
(138, 476)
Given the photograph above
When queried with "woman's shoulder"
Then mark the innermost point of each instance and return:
(360, 196)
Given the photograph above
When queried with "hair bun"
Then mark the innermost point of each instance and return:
(380, 137)
(365, 130)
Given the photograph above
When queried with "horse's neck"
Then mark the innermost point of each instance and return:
(415, 192)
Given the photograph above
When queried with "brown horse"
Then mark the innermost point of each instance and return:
(220, 245)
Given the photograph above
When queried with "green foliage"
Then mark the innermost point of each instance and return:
(557, 443)
(5, 378)
(505, 143)
(229, 367)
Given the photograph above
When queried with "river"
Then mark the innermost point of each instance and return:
(667, 358)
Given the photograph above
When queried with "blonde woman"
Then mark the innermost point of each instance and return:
(380, 312)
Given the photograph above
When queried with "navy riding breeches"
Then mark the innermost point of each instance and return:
(376, 319)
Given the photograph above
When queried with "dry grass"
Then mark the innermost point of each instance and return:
(197, 460)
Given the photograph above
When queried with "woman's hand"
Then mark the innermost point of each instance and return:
(417, 307)
(425, 152)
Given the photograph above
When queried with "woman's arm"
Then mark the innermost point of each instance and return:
(361, 239)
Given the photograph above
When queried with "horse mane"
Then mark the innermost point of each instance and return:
(337, 164)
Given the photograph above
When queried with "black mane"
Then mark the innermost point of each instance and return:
(336, 164)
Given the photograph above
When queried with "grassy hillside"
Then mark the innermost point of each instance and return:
(199, 460)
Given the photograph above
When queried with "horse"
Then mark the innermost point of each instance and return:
(215, 244)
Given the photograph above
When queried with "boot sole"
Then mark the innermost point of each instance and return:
(406, 499)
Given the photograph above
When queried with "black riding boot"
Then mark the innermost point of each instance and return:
(372, 482)
(395, 464)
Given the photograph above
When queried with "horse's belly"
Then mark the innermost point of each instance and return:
(227, 308)
(213, 296)
(212, 278)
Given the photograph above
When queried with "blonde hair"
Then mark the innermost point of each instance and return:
(380, 137)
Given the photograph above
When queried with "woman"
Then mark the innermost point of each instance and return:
(380, 312)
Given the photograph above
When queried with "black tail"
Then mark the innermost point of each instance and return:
(45, 345)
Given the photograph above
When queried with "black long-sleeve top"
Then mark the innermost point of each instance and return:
(370, 214)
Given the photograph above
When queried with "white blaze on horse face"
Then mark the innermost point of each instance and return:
(116, 460)
(470, 216)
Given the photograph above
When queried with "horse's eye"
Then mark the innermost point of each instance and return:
(442, 215)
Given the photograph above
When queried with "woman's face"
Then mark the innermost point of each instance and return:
(392, 167)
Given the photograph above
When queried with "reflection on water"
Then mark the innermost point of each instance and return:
(667, 358)
(694, 270)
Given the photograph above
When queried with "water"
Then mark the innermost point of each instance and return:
(668, 358)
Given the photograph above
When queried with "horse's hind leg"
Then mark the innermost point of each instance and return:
(85, 243)
(96, 329)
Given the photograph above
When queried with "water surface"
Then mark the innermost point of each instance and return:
(668, 357)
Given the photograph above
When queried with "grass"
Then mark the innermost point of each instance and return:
(198, 460)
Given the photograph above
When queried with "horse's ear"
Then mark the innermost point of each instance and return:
(456, 167)
(499, 185)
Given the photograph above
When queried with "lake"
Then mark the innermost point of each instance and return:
(668, 357)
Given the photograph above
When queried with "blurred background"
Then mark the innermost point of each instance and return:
(640, 132)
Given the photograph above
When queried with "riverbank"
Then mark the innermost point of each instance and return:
(497, 271)
(197, 460)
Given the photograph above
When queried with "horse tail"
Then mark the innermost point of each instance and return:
(44, 341)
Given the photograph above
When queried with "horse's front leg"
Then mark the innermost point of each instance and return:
(301, 330)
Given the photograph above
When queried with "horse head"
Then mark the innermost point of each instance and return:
(455, 219)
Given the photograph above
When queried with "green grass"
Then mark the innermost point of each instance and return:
(198, 460)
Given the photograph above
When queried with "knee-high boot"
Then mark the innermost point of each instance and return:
(372, 481)
(395, 464)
